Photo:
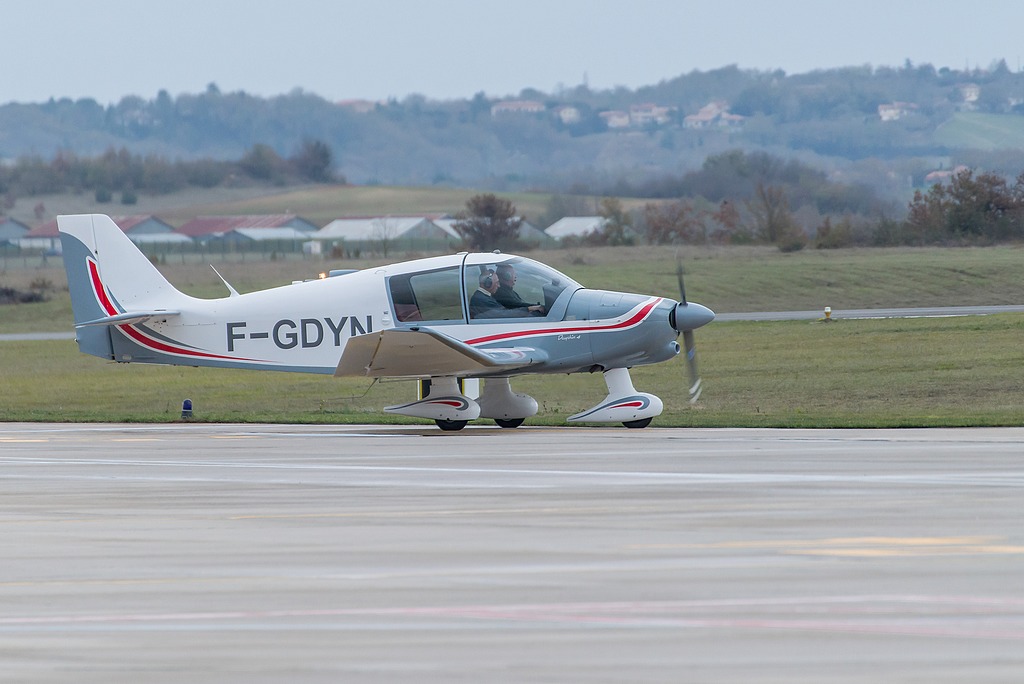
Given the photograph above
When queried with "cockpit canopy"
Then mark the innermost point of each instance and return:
(443, 293)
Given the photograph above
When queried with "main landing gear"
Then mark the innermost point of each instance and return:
(447, 406)
(623, 404)
(452, 410)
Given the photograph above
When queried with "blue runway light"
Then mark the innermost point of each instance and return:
(186, 409)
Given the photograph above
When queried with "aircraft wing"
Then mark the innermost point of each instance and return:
(424, 352)
(129, 317)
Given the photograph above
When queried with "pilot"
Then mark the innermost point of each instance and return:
(483, 304)
(507, 296)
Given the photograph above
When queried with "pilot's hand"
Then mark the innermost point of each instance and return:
(536, 309)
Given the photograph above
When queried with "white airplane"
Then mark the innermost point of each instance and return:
(437, 318)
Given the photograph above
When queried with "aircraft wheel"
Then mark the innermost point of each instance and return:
(509, 423)
(451, 425)
(642, 423)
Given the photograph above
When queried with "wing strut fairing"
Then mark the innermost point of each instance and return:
(128, 318)
(423, 352)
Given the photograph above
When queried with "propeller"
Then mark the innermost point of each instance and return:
(686, 317)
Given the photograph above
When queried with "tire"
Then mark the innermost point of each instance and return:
(451, 425)
(509, 422)
(642, 423)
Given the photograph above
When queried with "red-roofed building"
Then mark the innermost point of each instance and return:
(140, 228)
(714, 114)
(203, 228)
(649, 114)
(615, 118)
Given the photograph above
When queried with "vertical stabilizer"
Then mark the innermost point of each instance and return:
(107, 276)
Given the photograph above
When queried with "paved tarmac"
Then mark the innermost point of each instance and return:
(273, 553)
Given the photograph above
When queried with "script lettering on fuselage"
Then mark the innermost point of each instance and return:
(305, 333)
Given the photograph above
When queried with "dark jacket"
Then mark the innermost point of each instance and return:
(509, 298)
(483, 305)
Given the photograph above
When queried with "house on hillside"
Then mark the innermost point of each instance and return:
(143, 229)
(513, 107)
(969, 94)
(204, 228)
(615, 118)
(11, 231)
(714, 114)
(896, 110)
(649, 114)
(576, 226)
(358, 106)
(568, 114)
(944, 175)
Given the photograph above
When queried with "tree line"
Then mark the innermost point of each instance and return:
(127, 174)
(968, 208)
(738, 198)
(735, 198)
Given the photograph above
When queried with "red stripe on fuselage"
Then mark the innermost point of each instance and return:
(146, 341)
(635, 319)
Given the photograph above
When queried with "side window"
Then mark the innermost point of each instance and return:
(429, 296)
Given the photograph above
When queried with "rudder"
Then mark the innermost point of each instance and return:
(107, 275)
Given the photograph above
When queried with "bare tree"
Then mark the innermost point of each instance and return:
(385, 231)
(489, 222)
(729, 225)
(770, 210)
(314, 160)
(618, 224)
(673, 223)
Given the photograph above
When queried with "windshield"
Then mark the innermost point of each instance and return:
(521, 286)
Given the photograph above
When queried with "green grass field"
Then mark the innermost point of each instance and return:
(728, 279)
(981, 131)
(866, 373)
(957, 371)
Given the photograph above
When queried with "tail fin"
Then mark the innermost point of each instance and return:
(108, 277)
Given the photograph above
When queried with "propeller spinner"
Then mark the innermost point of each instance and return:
(685, 318)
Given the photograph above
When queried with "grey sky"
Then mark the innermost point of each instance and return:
(374, 49)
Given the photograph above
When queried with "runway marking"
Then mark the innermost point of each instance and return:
(454, 512)
(9, 440)
(129, 581)
(959, 617)
(137, 439)
(864, 547)
(625, 477)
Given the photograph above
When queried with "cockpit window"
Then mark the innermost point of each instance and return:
(520, 288)
(427, 296)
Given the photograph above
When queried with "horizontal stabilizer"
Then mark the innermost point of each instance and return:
(128, 318)
(424, 352)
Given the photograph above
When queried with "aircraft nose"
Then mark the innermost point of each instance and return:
(690, 316)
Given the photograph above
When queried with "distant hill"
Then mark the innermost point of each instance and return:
(883, 127)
